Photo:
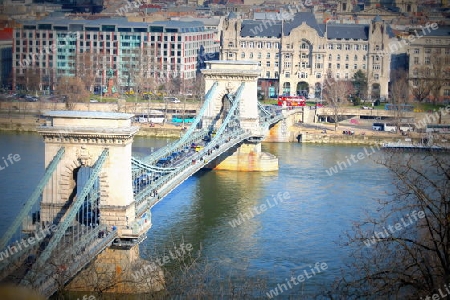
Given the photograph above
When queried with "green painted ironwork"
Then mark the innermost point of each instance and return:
(68, 219)
(33, 198)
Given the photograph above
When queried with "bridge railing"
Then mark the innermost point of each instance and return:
(188, 135)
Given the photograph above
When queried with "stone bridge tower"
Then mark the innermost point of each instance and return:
(229, 76)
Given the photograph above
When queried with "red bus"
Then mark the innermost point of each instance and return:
(291, 100)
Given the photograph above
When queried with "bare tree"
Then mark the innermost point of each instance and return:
(440, 74)
(401, 249)
(335, 93)
(74, 89)
(421, 83)
(400, 93)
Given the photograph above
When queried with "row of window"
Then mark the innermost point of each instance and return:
(302, 56)
(302, 45)
(107, 36)
(434, 50)
(427, 60)
(304, 75)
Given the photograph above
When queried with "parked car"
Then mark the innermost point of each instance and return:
(171, 99)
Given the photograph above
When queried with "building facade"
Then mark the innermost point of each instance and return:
(297, 54)
(429, 64)
(126, 52)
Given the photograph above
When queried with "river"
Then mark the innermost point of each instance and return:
(287, 238)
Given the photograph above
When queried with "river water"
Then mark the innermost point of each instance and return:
(301, 228)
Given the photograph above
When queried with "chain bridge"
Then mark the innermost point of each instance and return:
(95, 196)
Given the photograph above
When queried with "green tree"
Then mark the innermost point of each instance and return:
(360, 84)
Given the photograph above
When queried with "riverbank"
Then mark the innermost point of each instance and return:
(316, 133)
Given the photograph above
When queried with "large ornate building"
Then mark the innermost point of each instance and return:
(296, 54)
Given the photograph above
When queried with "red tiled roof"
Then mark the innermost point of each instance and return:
(6, 34)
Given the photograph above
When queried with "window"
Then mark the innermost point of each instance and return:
(276, 74)
(242, 55)
(318, 65)
(415, 82)
(339, 46)
(355, 58)
(250, 44)
(319, 75)
(338, 57)
(330, 57)
(230, 55)
(346, 66)
(356, 47)
(287, 56)
(376, 67)
(287, 75)
(364, 66)
(267, 63)
(415, 72)
(287, 64)
(243, 44)
(250, 55)
(259, 45)
(268, 45)
(376, 76)
(347, 57)
(259, 55)
(355, 66)
(302, 75)
(304, 46)
(346, 75)
(259, 63)
(338, 66)
(330, 46)
(416, 60)
(319, 56)
(276, 45)
(365, 47)
(446, 92)
(428, 50)
(427, 60)
(329, 66)
(347, 47)
(268, 74)
(364, 57)
(304, 55)
(268, 55)
(338, 75)
(276, 64)
(304, 64)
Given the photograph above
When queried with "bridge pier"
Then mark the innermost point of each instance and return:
(109, 207)
(119, 271)
(246, 157)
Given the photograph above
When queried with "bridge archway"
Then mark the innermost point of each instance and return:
(302, 88)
